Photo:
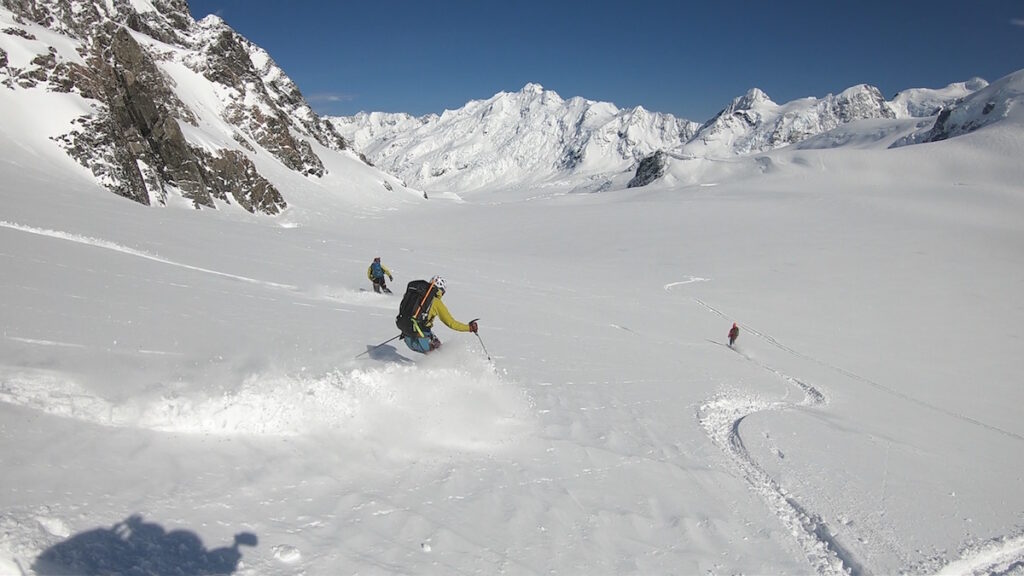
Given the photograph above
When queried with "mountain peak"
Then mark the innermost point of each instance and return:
(532, 88)
(751, 99)
(975, 84)
(212, 21)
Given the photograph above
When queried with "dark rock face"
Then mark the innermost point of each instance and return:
(137, 145)
(230, 65)
(133, 140)
(861, 102)
(958, 120)
(650, 169)
(236, 175)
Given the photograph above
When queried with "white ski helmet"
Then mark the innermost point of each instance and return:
(438, 282)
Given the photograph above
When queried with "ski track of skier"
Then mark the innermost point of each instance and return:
(100, 243)
(860, 378)
(689, 280)
(1000, 556)
(345, 296)
(721, 418)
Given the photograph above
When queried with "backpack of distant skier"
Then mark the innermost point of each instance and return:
(415, 307)
(376, 270)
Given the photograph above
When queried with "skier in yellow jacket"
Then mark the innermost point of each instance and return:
(376, 273)
(425, 341)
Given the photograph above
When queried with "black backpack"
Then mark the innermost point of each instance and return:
(415, 306)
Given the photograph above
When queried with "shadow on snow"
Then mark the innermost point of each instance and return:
(386, 353)
(133, 546)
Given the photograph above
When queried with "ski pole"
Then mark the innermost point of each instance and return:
(481, 340)
(377, 346)
(482, 346)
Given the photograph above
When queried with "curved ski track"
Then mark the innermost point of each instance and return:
(721, 416)
(862, 379)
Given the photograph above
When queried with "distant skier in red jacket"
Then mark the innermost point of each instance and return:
(733, 333)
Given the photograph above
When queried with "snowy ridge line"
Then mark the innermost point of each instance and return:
(100, 243)
(721, 417)
(859, 378)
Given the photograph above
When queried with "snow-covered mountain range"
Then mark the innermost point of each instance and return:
(156, 106)
(534, 137)
(530, 137)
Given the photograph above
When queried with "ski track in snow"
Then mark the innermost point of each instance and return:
(862, 379)
(108, 245)
(1000, 556)
(60, 344)
(45, 342)
(721, 418)
(689, 280)
(361, 297)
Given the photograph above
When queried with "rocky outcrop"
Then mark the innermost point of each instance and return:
(133, 141)
(136, 145)
(229, 64)
(234, 174)
(649, 170)
(965, 118)
(993, 103)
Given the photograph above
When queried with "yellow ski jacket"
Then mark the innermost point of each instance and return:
(439, 310)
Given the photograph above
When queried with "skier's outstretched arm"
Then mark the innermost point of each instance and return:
(446, 317)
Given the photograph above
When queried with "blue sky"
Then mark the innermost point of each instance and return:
(686, 58)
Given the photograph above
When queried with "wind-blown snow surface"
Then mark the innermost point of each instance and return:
(181, 388)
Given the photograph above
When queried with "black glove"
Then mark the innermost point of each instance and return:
(473, 327)
(390, 277)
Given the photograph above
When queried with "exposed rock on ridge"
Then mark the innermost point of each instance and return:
(649, 170)
(753, 123)
(990, 104)
(133, 141)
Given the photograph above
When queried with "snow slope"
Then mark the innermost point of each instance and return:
(186, 391)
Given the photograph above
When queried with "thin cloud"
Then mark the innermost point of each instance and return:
(330, 97)
(1018, 22)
